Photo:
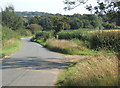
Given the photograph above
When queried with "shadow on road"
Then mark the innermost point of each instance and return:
(34, 63)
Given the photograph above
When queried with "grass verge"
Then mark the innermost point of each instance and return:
(11, 48)
(39, 41)
(69, 47)
(101, 70)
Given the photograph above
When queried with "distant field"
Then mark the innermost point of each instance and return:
(113, 30)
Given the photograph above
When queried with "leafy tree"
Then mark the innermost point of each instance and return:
(60, 23)
(111, 8)
(73, 4)
(35, 28)
(34, 20)
(87, 24)
(46, 23)
(11, 19)
(76, 23)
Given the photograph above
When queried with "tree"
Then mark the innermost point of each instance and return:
(110, 8)
(76, 23)
(46, 23)
(34, 20)
(73, 4)
(11, 19)
(35, 28)
(60, 23)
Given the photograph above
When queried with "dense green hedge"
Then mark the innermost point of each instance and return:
(70, 34)
(44, 35)
(106, 40)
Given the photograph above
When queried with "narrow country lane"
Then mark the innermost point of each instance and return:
(33, 65)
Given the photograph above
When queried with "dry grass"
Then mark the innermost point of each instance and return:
(68, 47)
(99, 70)
(7, 42)
(63, 44)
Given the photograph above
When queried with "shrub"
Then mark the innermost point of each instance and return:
(78, 34)
(105, 39)
(23, 32)
(35, 28)
(44, 35)
(8, 33)
(109, 26)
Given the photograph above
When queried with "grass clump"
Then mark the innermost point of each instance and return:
(101, 70)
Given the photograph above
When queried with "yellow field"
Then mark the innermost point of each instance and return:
(113, 30)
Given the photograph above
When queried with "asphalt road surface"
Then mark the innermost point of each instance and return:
(33, 65)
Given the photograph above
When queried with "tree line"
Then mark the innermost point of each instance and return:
(57, 22)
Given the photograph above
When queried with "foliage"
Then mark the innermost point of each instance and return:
(44, 35)
(42, 42)
(105, 40)
(61, 23)
(10, 40)
(70, 34)
(35, 28)
(46, 23)
(34, 20)
(108, 10)
(76, 23)
(66, 22)
(109, 25)
(8, 33)
(11, 19)
(101, 70)
(31, 14)
(73, 4)
(23, 32)
(85, 21)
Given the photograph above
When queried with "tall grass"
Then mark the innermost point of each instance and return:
(99, 70)
(68, 47)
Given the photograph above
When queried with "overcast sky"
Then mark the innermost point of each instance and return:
(50, 6)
